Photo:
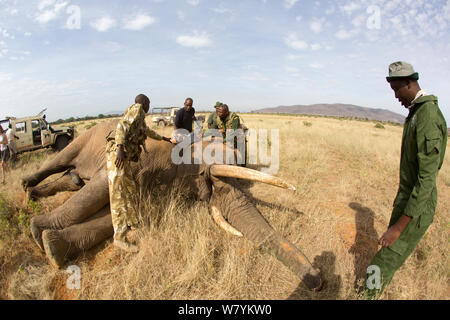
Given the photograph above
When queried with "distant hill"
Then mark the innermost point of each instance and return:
(338, 110)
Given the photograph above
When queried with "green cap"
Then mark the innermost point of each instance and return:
(218, 104)
(401, 70)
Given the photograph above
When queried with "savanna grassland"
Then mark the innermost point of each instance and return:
(346, 174)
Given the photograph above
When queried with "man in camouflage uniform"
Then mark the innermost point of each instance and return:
(124, 146)
(213, 116)
(423, 149)
(225, 120)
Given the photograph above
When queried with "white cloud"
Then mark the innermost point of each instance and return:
(293, 57)
(316, 65)
(222, 9)
(45, 3)
(316, 46)
(27, 34)
(50, 13)
(289, 3)
(139, 22)
(293, 42)
(316, 25)
(103, 24)
(349, 7)
(193, 2)
(359, 20)
(196, 40)
(293, 71)
(343, 34)
(298, 18)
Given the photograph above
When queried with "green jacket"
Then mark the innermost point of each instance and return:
(232, 121)
(423, 149)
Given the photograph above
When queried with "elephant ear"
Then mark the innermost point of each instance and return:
(190, 170)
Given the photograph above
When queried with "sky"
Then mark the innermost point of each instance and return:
(80, 57)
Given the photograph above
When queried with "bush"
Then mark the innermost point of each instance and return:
(90, 125)
(307, 123)
(379, 126)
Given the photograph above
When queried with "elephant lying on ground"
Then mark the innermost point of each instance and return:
(84, 220)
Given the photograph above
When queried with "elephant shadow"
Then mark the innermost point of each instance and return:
(366, 241)
(326, 263)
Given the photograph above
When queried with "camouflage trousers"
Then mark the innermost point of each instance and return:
(122, 193)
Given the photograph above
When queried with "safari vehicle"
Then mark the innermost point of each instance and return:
(36, 133)
(165, 116)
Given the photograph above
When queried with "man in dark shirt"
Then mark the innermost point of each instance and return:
(185, 116)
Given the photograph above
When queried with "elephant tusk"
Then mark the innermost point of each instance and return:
(249, 174)
(221, 222)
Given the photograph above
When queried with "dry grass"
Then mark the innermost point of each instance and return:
(347, 177)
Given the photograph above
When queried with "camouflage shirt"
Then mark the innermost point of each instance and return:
(131, 132)
(232, 121)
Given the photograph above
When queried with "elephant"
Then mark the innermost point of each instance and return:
(84, 220)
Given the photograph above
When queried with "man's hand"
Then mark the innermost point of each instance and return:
(394, 232)
(389, 237)
(120, 157)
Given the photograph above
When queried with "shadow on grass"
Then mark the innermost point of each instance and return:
(326, 263)
(366, 241)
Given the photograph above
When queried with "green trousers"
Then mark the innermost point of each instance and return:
(388, 260)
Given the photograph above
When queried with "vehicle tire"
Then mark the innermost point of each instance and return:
(61, 142)
(161, 123)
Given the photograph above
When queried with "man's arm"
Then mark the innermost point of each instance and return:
(178, 123)
(123, 126)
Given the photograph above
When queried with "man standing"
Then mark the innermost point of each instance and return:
(11, 143)
(423, 148)
(123, 147)
(4, 154)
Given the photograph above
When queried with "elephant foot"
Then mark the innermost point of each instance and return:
(56, 248)
(36, 232)
(126, 246)
(29, 182)
(31, 194)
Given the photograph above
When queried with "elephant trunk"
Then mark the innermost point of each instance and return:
(238, 210)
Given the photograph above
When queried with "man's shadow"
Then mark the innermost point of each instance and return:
(326, 263)
(366, 240)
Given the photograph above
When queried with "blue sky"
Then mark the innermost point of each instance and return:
(82, 58)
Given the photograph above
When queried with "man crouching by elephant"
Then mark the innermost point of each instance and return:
(124, 146)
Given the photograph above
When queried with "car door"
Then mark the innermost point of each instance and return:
(25, 138)
(46, 136)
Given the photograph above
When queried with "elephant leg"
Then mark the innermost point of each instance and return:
(243, 215)
(68, 182)
(81, 206)
(62, 162)
(62, 245)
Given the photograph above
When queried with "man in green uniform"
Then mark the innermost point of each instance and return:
(423, 148)
(225, 120)
(123, 147)
(212, 117)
